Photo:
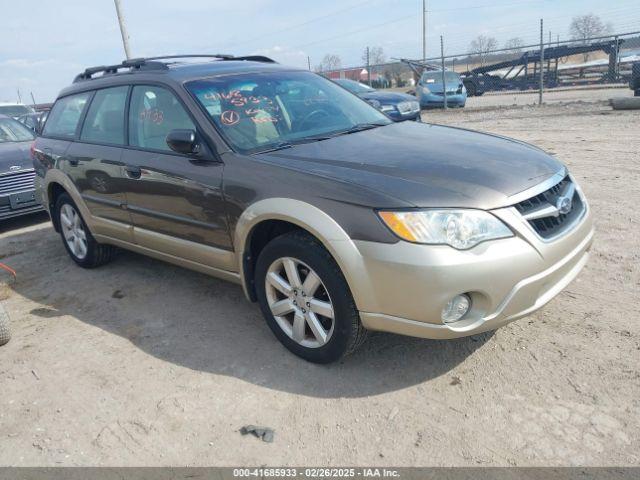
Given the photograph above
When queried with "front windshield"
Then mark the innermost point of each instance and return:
(14, 110)
(13, 131)
(260, 111)
(436, 77)
(355, 87)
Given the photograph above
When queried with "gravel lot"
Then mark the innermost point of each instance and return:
(143, 363)
(557, 95)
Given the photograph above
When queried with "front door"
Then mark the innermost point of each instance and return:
(175, 200)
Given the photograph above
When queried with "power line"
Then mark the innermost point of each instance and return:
(305, 23)
(400, 19)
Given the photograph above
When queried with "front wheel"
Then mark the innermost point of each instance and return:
(305, 299)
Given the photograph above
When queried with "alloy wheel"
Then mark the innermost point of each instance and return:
(299, 302)
(73, 231)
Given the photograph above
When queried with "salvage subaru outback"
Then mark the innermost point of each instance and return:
(335, 219)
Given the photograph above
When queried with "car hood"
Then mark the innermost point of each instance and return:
(388, 97)
(15, 154)
(424, 165)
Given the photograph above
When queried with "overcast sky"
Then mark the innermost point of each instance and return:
(45, 43)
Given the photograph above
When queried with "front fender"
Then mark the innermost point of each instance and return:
(320, 225)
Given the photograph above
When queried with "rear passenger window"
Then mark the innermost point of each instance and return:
(65, 115)
(153, 113)
(105, 118)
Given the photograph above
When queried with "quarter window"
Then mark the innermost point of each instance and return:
(105, 118)
(153, 113)
(65, 116)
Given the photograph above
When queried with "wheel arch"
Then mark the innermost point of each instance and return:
(285, 214)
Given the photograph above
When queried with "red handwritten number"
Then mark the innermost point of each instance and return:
(229, 117)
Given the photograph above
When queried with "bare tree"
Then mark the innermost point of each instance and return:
(329, 62)
(393, 73)
(584, 27)
(481, 46)
(515, 44)
(376, 56)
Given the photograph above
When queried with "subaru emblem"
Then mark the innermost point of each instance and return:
(564, 204)
(14, 168)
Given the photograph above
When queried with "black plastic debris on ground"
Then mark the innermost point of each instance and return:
(263, 433)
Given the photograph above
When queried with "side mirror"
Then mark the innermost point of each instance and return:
(183, 141)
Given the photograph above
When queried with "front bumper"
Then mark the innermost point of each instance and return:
(408, 285)
(435, 100)
(401, 117)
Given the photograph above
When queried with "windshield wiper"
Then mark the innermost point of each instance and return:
(360, 127)
(276, 147)
(356, 128)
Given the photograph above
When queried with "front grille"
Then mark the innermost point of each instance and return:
(544, 214)
(17, 182)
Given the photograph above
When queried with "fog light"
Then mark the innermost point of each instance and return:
(457, 308)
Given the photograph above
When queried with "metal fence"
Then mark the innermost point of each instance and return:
(549, 71)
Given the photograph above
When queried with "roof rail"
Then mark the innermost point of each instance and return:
(133, 64)
(221, 56)
(152, 63)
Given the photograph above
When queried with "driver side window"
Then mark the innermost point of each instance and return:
(153, 113)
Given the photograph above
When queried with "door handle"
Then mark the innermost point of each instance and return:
(73, 161)
(133, 171)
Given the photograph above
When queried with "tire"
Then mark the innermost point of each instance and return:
(96, 254)
(345, 331)
(471, 89)
(5, 331)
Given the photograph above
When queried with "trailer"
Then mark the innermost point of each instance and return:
(523, 73)
(634, 81)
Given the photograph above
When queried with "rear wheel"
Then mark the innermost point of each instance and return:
(76, 237)
(306, 300)
(471, 88)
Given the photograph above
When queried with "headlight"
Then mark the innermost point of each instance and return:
(426, 90)
(461, 229)
(387, 108)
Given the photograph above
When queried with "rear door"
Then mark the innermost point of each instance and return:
(175, 200)
(94, 159)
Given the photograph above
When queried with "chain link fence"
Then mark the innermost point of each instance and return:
(591, 69)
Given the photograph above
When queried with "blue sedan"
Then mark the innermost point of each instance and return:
(398, 106)
(430, 91)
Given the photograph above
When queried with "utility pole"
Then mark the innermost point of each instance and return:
(123, 29)
(309, 62)
(19, 96)
(444, 80)
(33, 99)
(541, 62)
(424, 29)
(368, 68)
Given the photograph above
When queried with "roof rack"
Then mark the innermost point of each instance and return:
(152, 63)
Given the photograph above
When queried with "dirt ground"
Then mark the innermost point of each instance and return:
(143, 363)
(551, 96)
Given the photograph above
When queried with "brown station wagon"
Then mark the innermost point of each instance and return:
(334, 218)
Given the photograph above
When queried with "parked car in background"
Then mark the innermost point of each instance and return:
(430, 90)
(16, 169)
(634, 83)
(331, 216)
(14, 110)
(398, 106)
(33, 121)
